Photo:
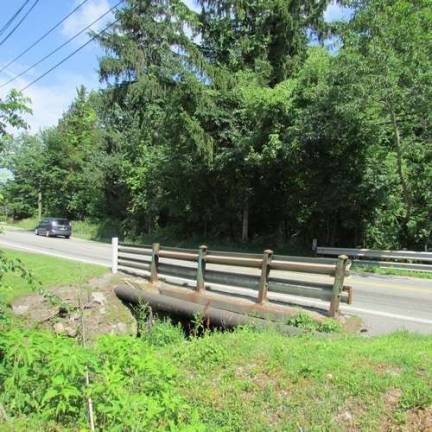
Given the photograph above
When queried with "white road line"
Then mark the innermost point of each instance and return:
(386, 315)
(58, 255)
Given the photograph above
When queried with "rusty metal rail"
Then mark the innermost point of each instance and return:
(233, 269)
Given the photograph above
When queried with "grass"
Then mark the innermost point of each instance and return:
(27, 224)
(48, 271)
(263, 381)
(391, 271)
(244, 380)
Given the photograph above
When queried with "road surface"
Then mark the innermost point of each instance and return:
(385, 303)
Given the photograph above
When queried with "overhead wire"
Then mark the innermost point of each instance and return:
(19, 23)
(60, 46)
(43, 36)
(11, 19)
(68, 56)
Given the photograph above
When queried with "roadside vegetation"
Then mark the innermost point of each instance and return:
(201, 380)
(232, 381)
(47, 272)
(391, 271)
(254, 134)
(104, 231)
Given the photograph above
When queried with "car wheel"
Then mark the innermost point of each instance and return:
(66, 237)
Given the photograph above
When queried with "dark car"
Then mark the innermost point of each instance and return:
(54, 227)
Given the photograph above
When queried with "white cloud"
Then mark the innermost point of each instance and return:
(336, 12)
(88, 13)
(49, 100)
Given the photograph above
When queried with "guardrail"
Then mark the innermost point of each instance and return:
(406, 260)
(205, 269)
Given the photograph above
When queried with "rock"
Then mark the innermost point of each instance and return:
(346, 415)
(20, 309)
(120, 329)
(98, 297)
(74, 317)
(103, 312)
(59, 328)
(71, 331)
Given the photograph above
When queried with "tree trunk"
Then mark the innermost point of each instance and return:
(245, 227)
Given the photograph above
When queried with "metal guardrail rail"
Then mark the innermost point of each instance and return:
(404, 259)
(233, 269)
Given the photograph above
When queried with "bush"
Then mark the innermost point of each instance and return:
(163, 333)
(306, 322)
(42, 377)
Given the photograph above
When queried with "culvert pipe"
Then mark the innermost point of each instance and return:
(186, 309)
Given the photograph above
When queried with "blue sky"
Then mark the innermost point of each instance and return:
(52, 95)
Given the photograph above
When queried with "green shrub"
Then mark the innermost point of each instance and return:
(163, 333)
(42, 377)
(305, 321)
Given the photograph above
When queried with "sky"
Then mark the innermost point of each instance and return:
(52, 95)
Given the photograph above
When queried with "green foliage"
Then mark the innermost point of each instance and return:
(42, 377)
(391, 271)
(233, 381)
(26, 272)
(387, 61)
(64, 164)
(12, 266)
(230, 124)
(12, 107)
(305, 321)
(270, 382)
(163, 333)
(26, 158)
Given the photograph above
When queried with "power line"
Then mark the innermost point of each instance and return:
(19, 23)
(42, 37)
(9, 22)
(68, 56)
(60, 46)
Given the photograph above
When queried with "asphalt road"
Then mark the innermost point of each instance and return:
(385, 303)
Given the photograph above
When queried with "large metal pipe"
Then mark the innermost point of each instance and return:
(188, 309)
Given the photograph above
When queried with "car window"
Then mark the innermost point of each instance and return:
(62, 221)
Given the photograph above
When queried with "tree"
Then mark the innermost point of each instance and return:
(11, 110)
(26, 160)
(269, 37)
(75, 184)
(387, 63)
(208, 124)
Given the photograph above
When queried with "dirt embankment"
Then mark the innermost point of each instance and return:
(61, 310)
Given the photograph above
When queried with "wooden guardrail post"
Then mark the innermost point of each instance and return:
(338, 284)
(154, 263)
(200, 286)
(114, 259)
(265, 271)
